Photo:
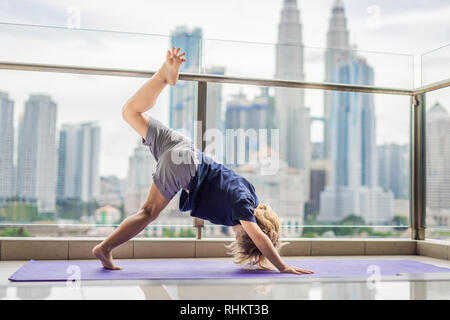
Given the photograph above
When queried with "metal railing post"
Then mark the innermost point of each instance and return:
(201, 120)
(417, 168)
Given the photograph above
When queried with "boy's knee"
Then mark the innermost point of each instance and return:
(150, 211)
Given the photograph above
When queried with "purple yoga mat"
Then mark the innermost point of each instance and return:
(210, 269)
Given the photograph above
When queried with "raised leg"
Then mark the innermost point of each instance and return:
(145, 98)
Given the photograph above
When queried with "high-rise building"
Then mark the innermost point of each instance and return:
(36, 167)
(353, 127)
(189, 41)
(320, 171)
(354, 187)
(183, 95)
(270, 114)
(6, 147)
(292, 118)
(244, 118)
(112, 191)
(438, 165)
(78, 161)
(337, 52)
(393, 166)
(259, 110)
(141, 166)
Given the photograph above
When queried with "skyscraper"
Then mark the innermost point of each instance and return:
(320, 172)
(6, 146)
(393, 166)
(438, 165)
(270, 114)
(336, 52)
(112, 191)
(245, 118)
(183, 94)
(351, 131)
(78, 161)
(36, 167)
(291, 116)
(354, 187)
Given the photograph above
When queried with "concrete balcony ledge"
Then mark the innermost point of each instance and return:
(438, 249)
(140, 248)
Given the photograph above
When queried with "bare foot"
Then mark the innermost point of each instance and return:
(170, 69)
(105, 257)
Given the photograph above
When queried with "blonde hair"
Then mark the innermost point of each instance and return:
(245, 252)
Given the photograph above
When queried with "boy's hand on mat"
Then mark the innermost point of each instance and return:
(295, 270)
(170, 69)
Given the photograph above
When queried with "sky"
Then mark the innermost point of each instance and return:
(391, 35)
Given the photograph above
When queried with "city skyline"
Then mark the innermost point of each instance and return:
(342, 156)
(256, 102)
(123, 175)
(103, 103)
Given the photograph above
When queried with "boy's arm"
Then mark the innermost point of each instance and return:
(266, 247)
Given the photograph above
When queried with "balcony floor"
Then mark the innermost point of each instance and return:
(420, 286)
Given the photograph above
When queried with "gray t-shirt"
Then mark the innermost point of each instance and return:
(176, 157)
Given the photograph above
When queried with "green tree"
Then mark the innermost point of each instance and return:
(400, 221)
(14, 232)
(337, 228)
(186, 233)
(352, 220)
(71, 209)
(168, 233)
(19, 211)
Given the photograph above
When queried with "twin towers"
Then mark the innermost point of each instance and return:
(292, 116)
(349, 143)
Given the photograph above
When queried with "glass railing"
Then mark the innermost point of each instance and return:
(435, 68)
(79, 123)
(361, 189)
(259, 60)
(145, 52)
(333, 161)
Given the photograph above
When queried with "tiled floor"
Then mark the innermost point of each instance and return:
(425, 286)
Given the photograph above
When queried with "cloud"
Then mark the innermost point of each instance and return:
(431, 17)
